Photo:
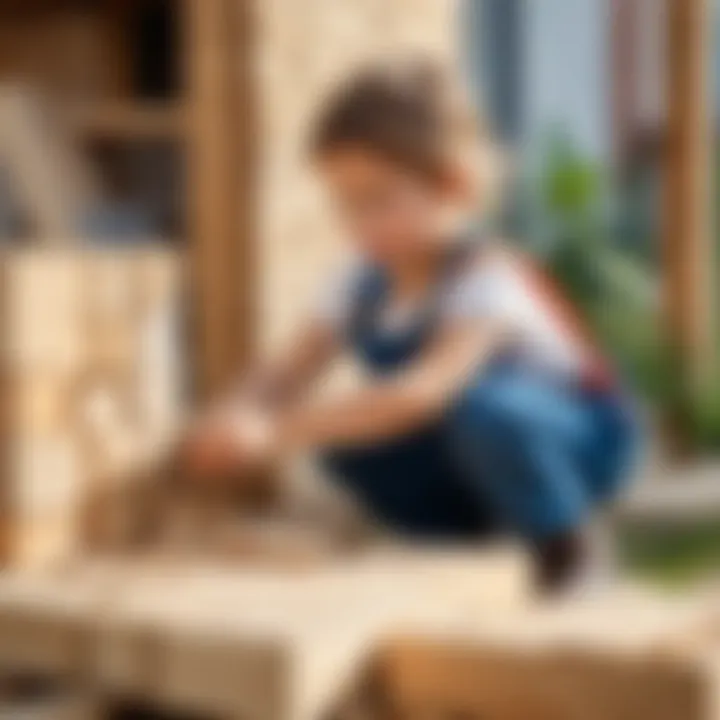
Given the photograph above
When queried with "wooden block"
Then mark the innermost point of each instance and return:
(110, 296)
(42, 308)
(615, 658)
(40, 403)
(47, 475)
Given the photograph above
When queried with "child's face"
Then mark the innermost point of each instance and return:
(391, 212)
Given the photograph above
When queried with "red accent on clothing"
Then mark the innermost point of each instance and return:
(597, 374)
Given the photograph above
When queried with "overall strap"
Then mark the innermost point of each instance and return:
(367, 297)
(373, 286)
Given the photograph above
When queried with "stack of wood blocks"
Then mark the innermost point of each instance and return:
(89, 383)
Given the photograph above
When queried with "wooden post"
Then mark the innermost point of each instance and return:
(688, 251)
(218, 172)
(624, 73)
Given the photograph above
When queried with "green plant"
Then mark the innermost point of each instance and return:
(615, 284)
(671, 555)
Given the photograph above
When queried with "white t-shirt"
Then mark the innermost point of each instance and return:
(500, 286)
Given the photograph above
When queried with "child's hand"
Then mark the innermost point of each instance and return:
(254, 438)
(229, 442)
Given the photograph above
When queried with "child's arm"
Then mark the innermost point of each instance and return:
(398, 405)
(213, 443)
(280, 381)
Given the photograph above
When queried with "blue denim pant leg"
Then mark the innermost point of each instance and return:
(412, 486)
(609, 459)
(544, 454)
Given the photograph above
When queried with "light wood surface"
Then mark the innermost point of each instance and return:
(241, 642)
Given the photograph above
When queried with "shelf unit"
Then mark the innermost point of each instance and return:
(136, 74)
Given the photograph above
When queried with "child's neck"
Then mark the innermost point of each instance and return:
(415, 274)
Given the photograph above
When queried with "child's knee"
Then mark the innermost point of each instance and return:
(487, 414)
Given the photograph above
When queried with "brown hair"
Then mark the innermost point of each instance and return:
(410, 112)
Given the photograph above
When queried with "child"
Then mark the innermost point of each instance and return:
(486, 406)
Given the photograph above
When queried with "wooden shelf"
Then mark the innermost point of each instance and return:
(132, 121)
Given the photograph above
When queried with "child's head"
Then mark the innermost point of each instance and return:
(401, 154)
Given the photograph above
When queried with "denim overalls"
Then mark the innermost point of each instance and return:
(515, 451)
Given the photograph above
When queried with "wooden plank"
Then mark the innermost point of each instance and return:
(283, 644)
(216, 163)
(107, 120)
(238, 641)
(53, 182)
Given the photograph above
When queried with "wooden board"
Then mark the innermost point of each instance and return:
(248, 643)
(625, 655)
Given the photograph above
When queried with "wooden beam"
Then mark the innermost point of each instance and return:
(161, 121)
(688, 249)
(218, 171)
(245, 308)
